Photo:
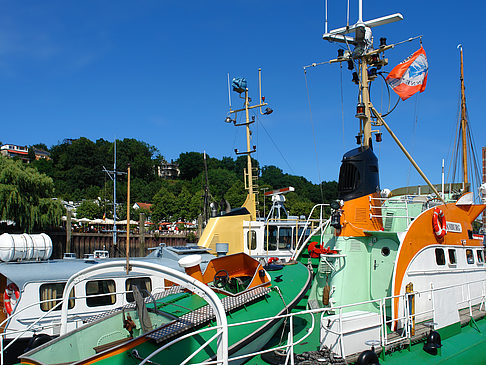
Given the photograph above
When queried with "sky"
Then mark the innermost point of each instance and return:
(157, 71)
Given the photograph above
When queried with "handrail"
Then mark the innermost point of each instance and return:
(299, 247)
(407, 317)
(173, 275)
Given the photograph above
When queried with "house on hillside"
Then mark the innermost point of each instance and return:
(12, 151)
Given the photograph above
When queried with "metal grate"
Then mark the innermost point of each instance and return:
(205, 314)
(172, 290)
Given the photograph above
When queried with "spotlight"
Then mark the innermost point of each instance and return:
(268, 111)
(382, 42)
(229, 120)
(355, 78)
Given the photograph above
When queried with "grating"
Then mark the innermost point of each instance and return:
(205, 314)
(172, 290)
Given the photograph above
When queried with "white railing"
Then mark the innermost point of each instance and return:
(302, 243)
(406, 318)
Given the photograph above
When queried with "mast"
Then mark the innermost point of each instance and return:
(463, 125)
(365, 56)
(240, 86)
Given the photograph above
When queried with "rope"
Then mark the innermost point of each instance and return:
(342, 104)
(314, 136)
(413, 136)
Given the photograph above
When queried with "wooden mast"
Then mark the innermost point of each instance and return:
(463, 126)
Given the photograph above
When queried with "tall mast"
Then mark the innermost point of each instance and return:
(463, 125)
(239, 85)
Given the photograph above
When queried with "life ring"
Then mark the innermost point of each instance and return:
(11, 289)
(439, 223)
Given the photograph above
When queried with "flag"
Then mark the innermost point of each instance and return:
(409, 76)
(104, 216)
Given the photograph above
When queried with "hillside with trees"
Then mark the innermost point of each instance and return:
(77, 168)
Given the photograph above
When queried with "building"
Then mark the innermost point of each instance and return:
(41, 154)
(146, 206)
(169, 170)
(12, 151)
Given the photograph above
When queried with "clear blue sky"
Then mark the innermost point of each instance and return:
(157, 71)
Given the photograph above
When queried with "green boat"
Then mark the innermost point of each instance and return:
(192, 321)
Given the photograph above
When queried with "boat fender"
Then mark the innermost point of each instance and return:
(325, 295)
(11, 290)
(37, 340)
(368, 357)
(439, 223)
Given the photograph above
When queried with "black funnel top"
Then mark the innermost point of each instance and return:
(359, 174)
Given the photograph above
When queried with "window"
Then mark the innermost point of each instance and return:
(143, 284)
(439, 256)
(285, 237)
(53, 291)
(251, 240)
(452, 256)
(479, 254)
(271, 238)
(469, 256)
(97, 287)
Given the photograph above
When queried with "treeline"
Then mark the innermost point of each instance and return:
(77, 168)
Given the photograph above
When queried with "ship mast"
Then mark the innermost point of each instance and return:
(239, 85)
(463, 126)
(367, 57)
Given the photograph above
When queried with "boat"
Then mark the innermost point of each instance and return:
(193, 321)
(398, 278)
(32, 285)
(275, 236)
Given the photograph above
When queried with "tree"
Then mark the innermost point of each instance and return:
(26, 197)
(89, 209)
(191, 164)
(164, 205)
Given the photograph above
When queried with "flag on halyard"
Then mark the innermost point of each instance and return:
(410, 76)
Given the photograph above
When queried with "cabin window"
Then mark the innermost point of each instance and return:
(96, 288)
(285, 237)
(53, 293)
(251, 240)
(143, 284)
(385, 251)
(439, 256)
(452, 256)
(480, 256)
(271, 238)
(469, 256)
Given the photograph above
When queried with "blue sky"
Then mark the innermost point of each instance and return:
(157, 71)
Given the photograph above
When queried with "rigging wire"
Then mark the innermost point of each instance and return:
(314, 136)
(276, 146)
(413, 136)
(342, 104)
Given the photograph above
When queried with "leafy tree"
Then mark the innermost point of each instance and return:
(26, 197)
(164, 206)
(236, 194)
(191, 164)
(89, 209)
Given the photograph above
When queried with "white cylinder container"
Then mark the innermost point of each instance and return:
(16, 247)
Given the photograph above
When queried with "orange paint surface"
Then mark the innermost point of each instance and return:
(421, 234)
(355, 217)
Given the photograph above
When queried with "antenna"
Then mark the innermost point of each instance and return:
(229, 93)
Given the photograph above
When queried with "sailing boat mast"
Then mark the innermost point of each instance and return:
(463, 125)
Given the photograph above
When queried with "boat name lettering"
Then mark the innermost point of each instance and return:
(454, 227)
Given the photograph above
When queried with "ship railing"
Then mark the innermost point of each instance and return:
(406, 318)
(321, 227)
(74, 318)
(385, 208)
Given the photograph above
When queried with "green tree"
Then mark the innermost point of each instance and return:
(26, 197)
(164, 206)
(89, 209)
(191, 164)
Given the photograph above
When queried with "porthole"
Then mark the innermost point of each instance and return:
(385, 251)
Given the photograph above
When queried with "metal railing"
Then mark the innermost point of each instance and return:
(405, 318)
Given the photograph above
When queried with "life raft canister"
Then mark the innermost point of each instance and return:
(11, 290)
(439, 223)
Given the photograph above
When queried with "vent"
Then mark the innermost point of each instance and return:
(388, 221)
(361, 215)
